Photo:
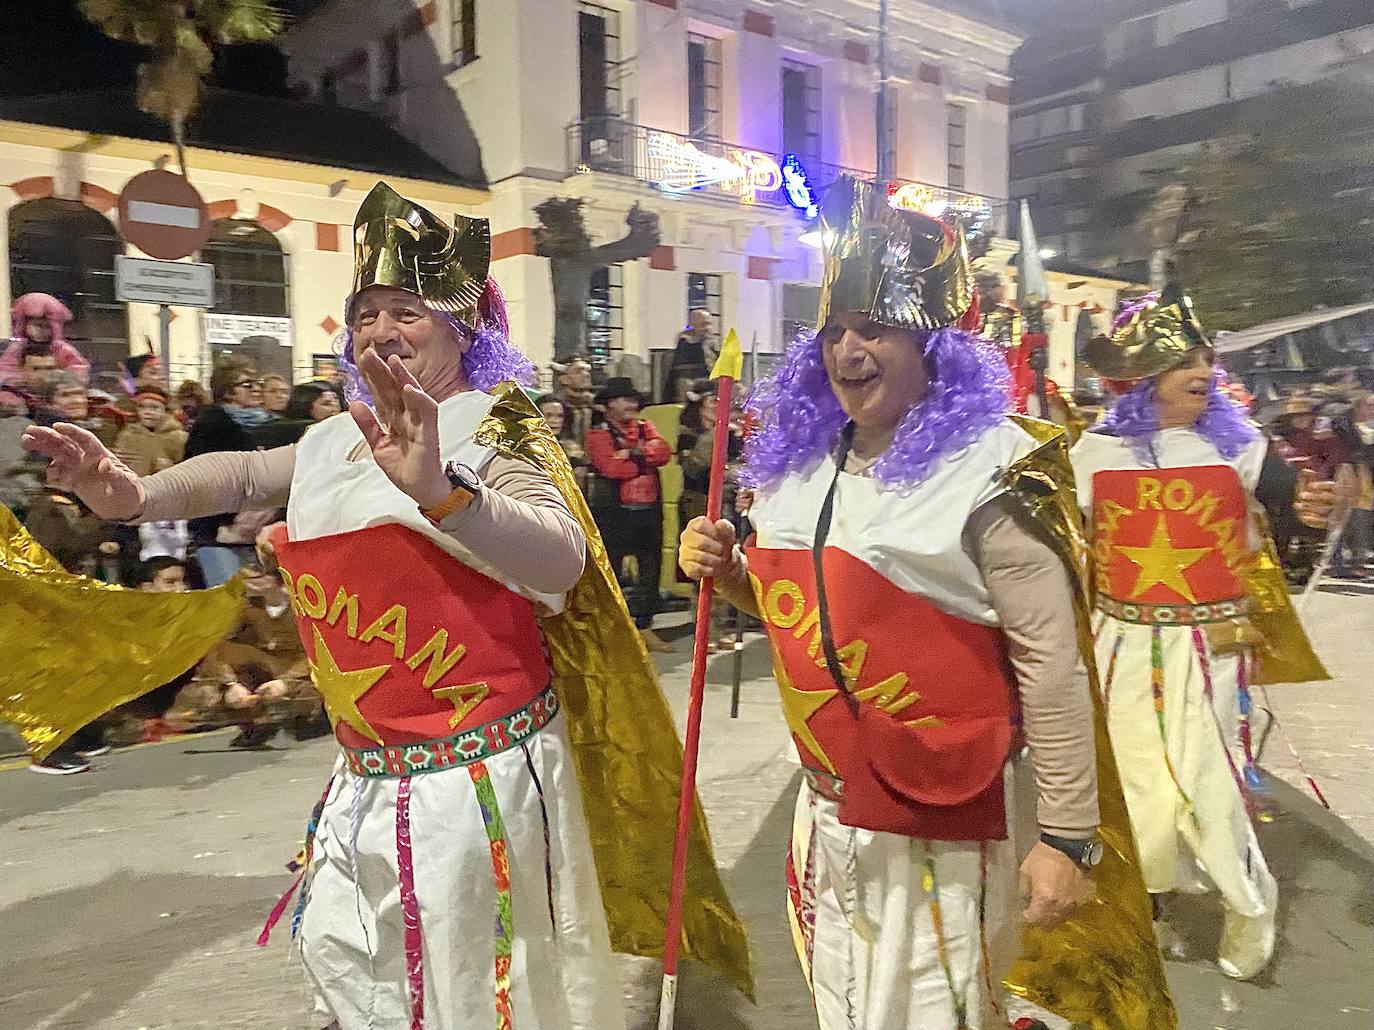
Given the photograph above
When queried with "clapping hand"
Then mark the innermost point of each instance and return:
(79, 463)
(402, 428)
(1316, 502)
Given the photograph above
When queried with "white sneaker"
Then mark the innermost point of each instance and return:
(1247, 942)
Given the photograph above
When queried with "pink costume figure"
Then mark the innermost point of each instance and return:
(30, 312)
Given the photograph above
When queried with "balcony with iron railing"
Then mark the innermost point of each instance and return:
(729, 172)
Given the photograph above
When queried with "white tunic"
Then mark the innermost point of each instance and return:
(862, 915)
(1210, 833)
(915, 537)
(352, 933)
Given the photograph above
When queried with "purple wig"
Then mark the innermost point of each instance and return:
(801, 418)
(1135, 418)
(1130, 308)
(489, 361)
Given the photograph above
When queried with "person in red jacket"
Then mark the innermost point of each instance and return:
(626, 453)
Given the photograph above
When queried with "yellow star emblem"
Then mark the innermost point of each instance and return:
(1162, 562)
(797, 708)
(341, 690)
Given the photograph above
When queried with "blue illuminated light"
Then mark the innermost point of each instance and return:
(799, 191)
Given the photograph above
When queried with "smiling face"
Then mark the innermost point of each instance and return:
(878, 373)
(1181, 393)
(391, 321)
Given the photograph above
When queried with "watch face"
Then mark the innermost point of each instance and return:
(462, 477)
(1093, 854)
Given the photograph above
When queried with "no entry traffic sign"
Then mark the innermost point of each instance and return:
(162, 215)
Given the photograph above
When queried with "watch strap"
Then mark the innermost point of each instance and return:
(455, 502)
(1085, 853)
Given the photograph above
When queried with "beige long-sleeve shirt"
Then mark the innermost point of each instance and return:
(519, 525)
(1032, 594)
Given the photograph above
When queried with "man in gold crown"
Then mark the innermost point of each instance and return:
(917, 570)
(466, 635)
(1187, 586)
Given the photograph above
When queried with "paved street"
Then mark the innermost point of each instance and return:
(130, 897)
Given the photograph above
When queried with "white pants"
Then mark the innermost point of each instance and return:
(1210, 832)
(862, 916)
(353, 933)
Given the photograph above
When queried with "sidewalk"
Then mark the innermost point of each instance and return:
(1331, 725)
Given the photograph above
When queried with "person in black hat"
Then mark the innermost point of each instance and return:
(626, 498)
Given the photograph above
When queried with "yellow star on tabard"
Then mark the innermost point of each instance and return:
(1162, 562)
(341, 690)
(797, 707)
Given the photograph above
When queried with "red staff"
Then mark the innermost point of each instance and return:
(727, 369)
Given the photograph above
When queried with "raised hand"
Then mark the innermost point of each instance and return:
(79, 463)
(402, 428)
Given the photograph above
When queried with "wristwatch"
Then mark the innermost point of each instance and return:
(1084, 853)
(466, 487)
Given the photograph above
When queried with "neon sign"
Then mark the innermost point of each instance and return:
(937, 203)
(800, 193)
(679, 166)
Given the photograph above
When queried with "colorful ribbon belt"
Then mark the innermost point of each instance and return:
(1175, 614)
(472, 745)
(824, 783)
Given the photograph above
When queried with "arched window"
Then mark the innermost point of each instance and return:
(250, 269)
(65, 248)
(250, 286)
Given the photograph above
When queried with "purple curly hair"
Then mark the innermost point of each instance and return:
(490, 359)
(1135, 418)
(1130, 308)
(801, 417)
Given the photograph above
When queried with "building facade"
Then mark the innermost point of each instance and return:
(709, 114)
(282, 181)
(1111, 96)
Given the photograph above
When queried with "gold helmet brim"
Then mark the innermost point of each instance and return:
(900, 268)
(1161, 336)
(400, 244)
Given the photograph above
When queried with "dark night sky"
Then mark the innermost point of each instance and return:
(48, 47)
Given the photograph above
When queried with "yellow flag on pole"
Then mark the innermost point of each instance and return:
(731, 360)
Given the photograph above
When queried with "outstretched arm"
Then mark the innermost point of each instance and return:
(209, 484)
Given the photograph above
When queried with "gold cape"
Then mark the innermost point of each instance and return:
(77, 648)
(1101, 968)
(625, 745)
(1285, 653)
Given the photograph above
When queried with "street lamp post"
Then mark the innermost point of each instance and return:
(883, 111)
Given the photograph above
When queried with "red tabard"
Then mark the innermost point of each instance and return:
(416, 645)
(941, 688)
(1174, 536)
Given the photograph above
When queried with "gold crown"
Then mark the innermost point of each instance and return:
(1158, 337)
(899, 267)
(398, 243)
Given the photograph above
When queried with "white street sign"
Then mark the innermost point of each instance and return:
(228, 330)
(184, 284)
